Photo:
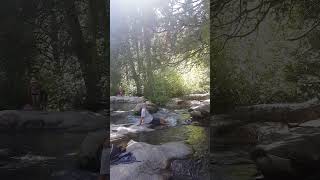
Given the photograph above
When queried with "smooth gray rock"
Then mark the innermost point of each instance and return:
(312, 123)
(154, 158)
(124, 103)
(69, 120)
(90, 150)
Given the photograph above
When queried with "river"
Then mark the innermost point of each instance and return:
(39, 155)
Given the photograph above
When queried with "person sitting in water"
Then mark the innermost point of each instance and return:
(158, 121)
(146, 116)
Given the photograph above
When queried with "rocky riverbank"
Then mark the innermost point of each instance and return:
(280, 130)
(164, 152)
(71, 121)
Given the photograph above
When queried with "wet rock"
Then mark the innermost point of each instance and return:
(90, 150)
(69, 120)
(154, 158)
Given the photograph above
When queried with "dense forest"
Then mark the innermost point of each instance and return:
(62, 44)
(263, 52)
(159, 48)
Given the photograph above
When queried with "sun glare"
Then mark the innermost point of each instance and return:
(127, 5)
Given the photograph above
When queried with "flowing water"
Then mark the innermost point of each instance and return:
(178, 130)
(38, 155)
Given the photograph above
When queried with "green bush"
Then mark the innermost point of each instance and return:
(166, 85)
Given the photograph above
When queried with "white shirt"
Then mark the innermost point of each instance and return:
(146, 115)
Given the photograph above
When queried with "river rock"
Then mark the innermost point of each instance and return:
(124, 103)
(69, 120)
(288, 113)
(302, 152)
(90, 150)
(153, 159)
(202, 111)
(152, 108)
(312, 123)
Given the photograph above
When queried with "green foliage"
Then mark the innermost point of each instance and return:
(305, 75)
(157, 65)
(166, 85)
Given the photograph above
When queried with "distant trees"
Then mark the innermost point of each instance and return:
(292, 40)
(153, 36)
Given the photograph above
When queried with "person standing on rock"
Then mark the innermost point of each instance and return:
(35, 92)
(120, 91)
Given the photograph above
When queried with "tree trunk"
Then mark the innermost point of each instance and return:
(86, 52)
(134, 72)
(147, 42)
(105, 19)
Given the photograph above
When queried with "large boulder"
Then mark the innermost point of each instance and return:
(202, 111)
(153, 159)
(12, 120)
(289, 113)
(289, 158)
(90, 150)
